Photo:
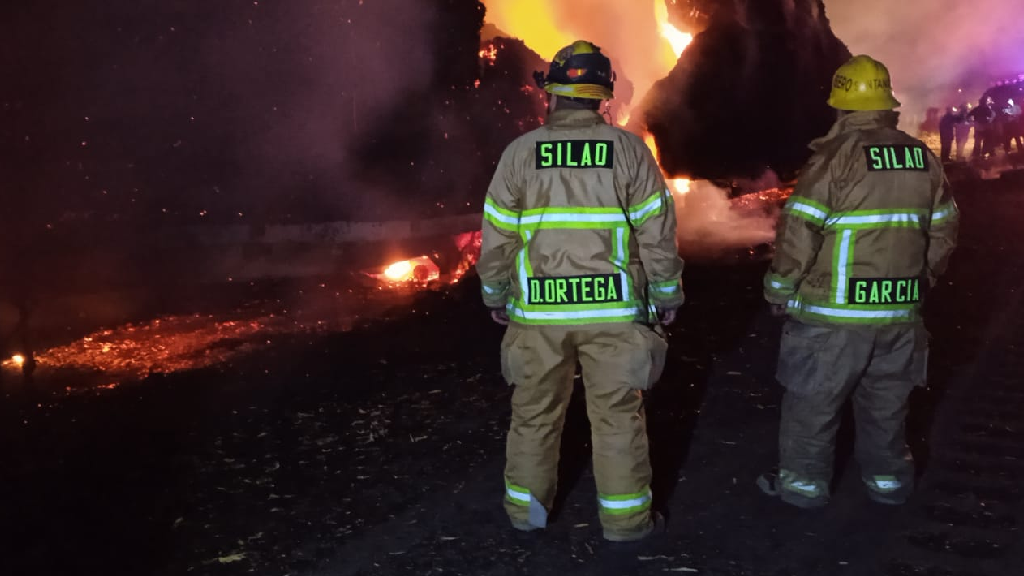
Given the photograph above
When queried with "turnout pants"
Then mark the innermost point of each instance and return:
(823, 366)
(618, 361)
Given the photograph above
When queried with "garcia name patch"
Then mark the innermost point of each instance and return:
(884, 291)
(896, 157)
(592, 289)
(575, 154)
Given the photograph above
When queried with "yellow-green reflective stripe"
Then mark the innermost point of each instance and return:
(572, 322)
(577, 307)
(806, 212)
(624, 312)
(875, 220)
(490, 203)
(943, 213)
(566, 225)
(517, 494)
(571, 210)
(567, 217)
(886, 483)
(855, 311)
(617, 504)
(778, 282)
(651, 208)
(878, 225)
(620, 258)
(495, 288)
(525, 270)
(843, 265)
(670, 287)
(500, 222)
(656, 197)
(881, 212)
(794, 199)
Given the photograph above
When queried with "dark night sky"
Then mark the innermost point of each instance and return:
(125, 108)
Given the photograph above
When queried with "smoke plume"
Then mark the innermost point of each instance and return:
(933, 48)
(710, 225)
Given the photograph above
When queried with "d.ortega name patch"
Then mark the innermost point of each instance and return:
(889, 157)
(884, 291)
(575, 154)
(591, 289)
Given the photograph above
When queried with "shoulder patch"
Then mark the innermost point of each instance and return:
(889, 157)
(575, 154)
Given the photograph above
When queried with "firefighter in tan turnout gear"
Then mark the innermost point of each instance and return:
(579, 256)
(867, 232)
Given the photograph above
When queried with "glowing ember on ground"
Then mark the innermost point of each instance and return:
(106, 358)
(419, 270)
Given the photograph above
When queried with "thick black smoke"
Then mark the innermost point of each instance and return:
(749, 93)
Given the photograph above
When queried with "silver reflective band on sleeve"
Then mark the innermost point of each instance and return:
(494, 213)
(893, 218)
(778, 285)
(652, 207)
(940, 215)
(888, 484)
(807, 209)
(490, 290)
(668, 289)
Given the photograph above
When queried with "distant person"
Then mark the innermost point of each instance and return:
(947, 130)
(1012, 125)
(962, 130)
(982, 117)
(866, 233)
(579, 256)
(930, 124)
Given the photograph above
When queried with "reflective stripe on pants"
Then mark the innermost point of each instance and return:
(541, 362)
(821, 367)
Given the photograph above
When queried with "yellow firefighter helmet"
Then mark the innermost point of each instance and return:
(579, 71)
(863, 83)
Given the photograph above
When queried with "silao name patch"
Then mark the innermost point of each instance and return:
(592, 289)
(896, 157)
(884, 291)
(575, 154)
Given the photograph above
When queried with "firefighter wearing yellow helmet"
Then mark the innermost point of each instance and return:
(579, 259)
(866, 233)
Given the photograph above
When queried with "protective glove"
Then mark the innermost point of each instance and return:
(500, 316)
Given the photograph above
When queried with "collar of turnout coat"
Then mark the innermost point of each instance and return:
(574, 118)
(855, 121)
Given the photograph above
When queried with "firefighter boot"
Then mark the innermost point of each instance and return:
(791, 489)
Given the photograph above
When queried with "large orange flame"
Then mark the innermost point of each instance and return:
(636, 33)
